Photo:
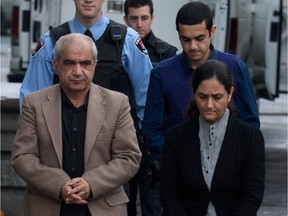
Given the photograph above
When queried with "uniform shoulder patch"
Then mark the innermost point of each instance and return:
(140, 46)
(39, 44)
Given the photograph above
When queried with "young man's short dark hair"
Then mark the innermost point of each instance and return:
(137, 4)
(194, 13)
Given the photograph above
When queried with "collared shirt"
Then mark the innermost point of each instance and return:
(170, 93)
(158, 49)
(40, 71)
(211, 138)
(73, 136)
(73, 139)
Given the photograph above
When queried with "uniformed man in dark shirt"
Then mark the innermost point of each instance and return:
(139, 16)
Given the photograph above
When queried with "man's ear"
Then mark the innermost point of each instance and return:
(55, 65)
(213, 30)
(152, 18)
(125, 19)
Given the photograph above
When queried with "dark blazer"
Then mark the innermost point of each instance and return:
(111, 156)
(238, 183)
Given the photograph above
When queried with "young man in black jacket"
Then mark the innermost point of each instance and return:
(139, 16)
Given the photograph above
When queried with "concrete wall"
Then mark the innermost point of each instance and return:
(12, 187)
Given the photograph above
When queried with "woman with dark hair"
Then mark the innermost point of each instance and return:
(213, 165)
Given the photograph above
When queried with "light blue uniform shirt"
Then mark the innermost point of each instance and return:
(40, 72)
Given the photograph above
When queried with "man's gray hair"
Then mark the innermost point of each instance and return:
(73, 37)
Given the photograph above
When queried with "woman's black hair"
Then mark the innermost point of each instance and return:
(211, 69)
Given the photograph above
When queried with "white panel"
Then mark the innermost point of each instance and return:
(23, 49)
(164, 25)
(244, 15)
(39, 22)
(283, 60)
(265, 50)
(67, 10)
(54, 12)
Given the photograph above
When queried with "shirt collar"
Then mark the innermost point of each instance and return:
(97, 29)
(186, 63)
(65, 99)
(214, 52)
(150, 39)
(218, 128)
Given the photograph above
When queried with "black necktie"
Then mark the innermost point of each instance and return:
(89, 34)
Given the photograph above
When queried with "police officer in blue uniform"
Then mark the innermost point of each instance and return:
(134, 56)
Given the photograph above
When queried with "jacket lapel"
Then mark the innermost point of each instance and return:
(195, 151)
(97, 109)
(52, 114)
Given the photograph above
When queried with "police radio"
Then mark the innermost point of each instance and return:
(116, 32)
